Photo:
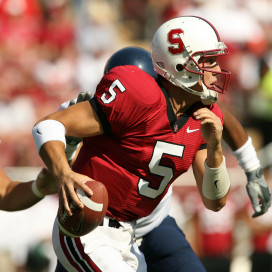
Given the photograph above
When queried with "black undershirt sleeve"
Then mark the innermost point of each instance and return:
(101, 115)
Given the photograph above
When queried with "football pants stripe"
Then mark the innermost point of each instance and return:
(67, 252)
(76, 255)
(85, 256)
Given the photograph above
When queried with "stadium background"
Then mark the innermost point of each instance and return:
(52, 49)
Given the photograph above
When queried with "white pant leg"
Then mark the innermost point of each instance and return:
(104, 249)
(111, 260)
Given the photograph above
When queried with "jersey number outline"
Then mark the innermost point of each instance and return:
(160, 149)
(174, 39)
(115, 84)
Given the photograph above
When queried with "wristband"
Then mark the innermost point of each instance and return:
(35, 190)
(216, 182)
(247, 157)
(48, 130)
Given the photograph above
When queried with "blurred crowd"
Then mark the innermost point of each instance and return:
(229, 240)
(50, 50)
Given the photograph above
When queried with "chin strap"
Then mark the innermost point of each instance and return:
(208, 96)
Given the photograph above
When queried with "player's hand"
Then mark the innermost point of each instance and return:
(46, 183)
(211, 127)
(68, 182)
(258, 191)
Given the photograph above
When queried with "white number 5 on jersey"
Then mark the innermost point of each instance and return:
(154, 166)
(116, 84)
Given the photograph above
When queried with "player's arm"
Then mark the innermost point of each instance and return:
(233, 133)
(79, 120)
(209, 164)
(241, 145)
(73, 144)
(16, 195)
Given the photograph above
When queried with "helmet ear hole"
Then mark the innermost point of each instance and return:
(179, 67)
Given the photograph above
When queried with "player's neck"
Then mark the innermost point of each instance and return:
(180, 106)
(180, 100)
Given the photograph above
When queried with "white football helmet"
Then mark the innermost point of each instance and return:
(177, 47)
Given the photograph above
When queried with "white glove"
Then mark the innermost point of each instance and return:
(258, 191)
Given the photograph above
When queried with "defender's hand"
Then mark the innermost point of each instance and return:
(81, 97)
(258, 191)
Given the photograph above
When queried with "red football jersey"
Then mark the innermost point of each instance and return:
(145, 147)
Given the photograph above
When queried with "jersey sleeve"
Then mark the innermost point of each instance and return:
(125, 97)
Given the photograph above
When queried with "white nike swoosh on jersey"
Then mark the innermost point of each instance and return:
(191, 130)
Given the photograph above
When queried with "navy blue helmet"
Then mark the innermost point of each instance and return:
(132, 55)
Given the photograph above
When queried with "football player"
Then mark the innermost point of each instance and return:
(162, 241)
(233, 133)
(138, 57)
(138, 138)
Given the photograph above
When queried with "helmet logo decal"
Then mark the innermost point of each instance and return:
(174, 39)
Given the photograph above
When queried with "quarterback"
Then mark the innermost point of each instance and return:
(138, 138)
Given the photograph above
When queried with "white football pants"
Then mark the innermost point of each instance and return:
(105, 249)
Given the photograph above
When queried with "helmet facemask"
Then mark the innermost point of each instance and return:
(198, 61)
(179, 51)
